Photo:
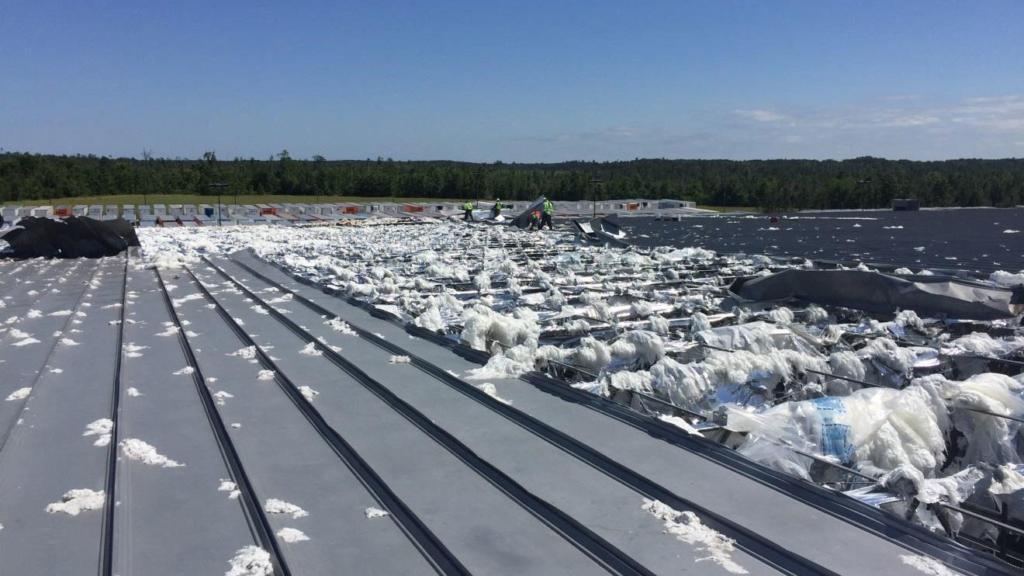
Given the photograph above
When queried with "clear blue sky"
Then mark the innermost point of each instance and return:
(515, 81)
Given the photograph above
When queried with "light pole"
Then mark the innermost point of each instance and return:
(135, 191)
(220, 186)
(594, 184)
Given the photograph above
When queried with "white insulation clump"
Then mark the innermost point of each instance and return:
(591, 354)
(908, 482)
(77, 501)
(246, 352)
(292, 535)
(230, 487)
(101, 429)
(339, 325)
(481, 326)
(508, 364)
(275, 506)
(250, 561)
(687, 527)
(430, 319)
(988, 439)
(889, 354)
(639, 345)
(310, 349)
(1007, 481)
(135, 449)
(308, 393)
(981, 344)
(169, 331)
(132, 350)
(19, 394)
(927, 565)
(492, 391)
(221, 397)
(373, 512)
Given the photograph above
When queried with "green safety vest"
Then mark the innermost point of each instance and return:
(467, 206)
(549, 208)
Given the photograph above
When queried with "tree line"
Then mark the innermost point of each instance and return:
(768, 184)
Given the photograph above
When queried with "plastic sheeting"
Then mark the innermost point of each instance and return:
(758, 337)
(879, 430)
(876, 428)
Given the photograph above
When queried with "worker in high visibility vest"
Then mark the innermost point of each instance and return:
(496, 209)
(547, 211)
(467, 209)
(535, 220)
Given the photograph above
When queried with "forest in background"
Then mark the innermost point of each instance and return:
(768, 184)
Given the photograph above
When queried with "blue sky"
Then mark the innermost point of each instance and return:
(515, 81)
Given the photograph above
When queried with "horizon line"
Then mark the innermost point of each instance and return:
(313, 158)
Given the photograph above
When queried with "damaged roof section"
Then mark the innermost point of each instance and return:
(212, 419)
(656, 331)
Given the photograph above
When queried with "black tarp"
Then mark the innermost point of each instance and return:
(934, 296)
(72, 237)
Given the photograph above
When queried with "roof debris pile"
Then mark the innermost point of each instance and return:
(916, 410)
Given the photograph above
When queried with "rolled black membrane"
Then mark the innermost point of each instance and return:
(72, 237)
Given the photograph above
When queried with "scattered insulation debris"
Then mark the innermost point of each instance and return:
(921, 406)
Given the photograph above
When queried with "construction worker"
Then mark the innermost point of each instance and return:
(467, 209)
(548, 211)
(535, 220)
(496, 210)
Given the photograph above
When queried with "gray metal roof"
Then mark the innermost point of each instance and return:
(541, 479)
